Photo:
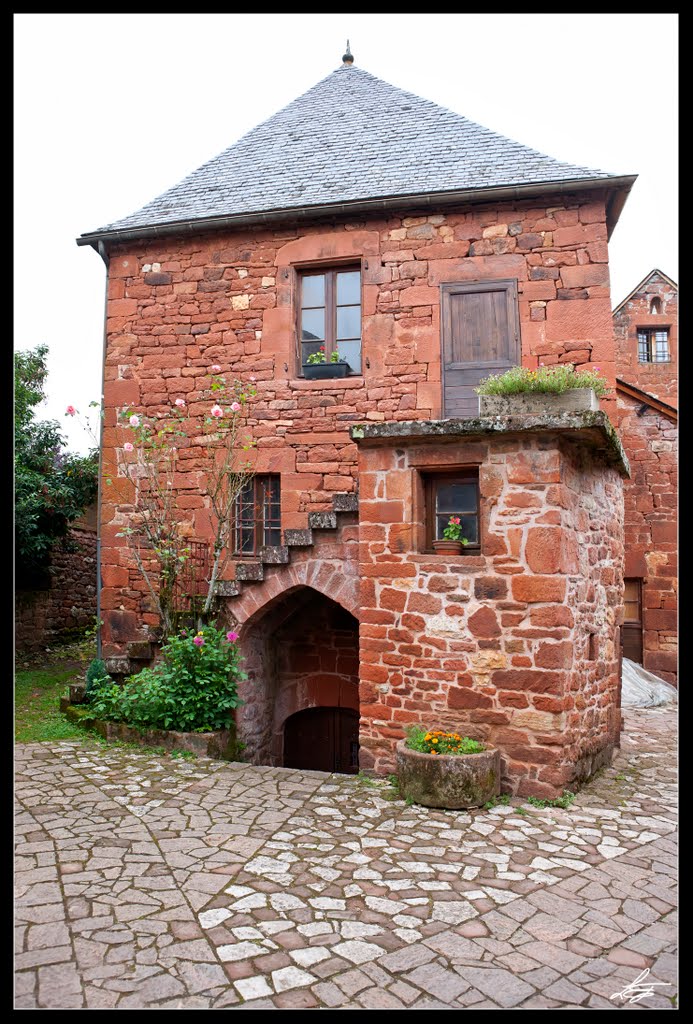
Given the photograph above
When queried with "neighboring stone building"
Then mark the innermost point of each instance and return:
(647, 362)
(430, 252)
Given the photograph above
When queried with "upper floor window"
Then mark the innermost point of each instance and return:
(330, 314)
(653, 344)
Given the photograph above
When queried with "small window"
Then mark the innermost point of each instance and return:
(257, 520)
(330, 314)
(453, 494)
(653, 344)
(632, 609)
(655, 307)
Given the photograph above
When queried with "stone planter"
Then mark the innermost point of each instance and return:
(323, 371)
(532, 403)
(452, 781)
(448, 547)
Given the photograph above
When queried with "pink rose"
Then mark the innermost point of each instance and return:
(180, 402)
(216, 368)
(232, 637)
(128, 447)
(70, 411)
(134, 421)
(217, 411)
(198, 641)
(235, 406)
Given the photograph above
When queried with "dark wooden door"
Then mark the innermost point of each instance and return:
(631, 631)
(480, 337)
(323, 740)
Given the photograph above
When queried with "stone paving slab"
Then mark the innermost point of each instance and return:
(147, 882)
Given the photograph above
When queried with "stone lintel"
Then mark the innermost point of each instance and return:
(593, 430)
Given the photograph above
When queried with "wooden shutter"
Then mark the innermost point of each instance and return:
(480, 336)
(631, 631)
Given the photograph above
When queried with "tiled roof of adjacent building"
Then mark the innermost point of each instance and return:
(351, 140)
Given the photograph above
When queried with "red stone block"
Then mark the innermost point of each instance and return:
(484, 623)
(466, 698)
(538, 588)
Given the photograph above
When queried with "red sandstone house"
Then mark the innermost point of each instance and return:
(647, 361)
(430, 252)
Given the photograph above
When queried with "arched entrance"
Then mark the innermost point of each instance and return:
(301, 705)
(322, 740)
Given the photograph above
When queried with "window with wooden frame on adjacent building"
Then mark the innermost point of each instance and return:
(257, 520)
(329, 312)
(653, 345)
(454, 493)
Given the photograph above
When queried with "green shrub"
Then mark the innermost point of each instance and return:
(428, 741)
(194, 689)
(96, 670)
(550, 380)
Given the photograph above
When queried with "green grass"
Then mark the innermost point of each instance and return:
(563, 801)
(37, 704)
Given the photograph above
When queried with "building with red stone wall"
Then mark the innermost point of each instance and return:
(429, 252)
(646, 335)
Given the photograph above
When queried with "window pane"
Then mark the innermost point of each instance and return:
(661, 346)
(643, 347)
(348, 321)
(313, 291)
(349, 287)
(351, 351)
(313, 324)
(454, 498)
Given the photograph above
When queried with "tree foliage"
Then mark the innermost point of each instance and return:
(53, 487)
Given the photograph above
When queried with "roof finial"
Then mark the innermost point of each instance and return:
(347, 58)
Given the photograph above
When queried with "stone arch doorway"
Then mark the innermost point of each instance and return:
(323, 740)
(301, 655)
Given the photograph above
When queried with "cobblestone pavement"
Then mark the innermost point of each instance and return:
(148, 882)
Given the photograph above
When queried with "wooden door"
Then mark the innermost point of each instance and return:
(323, 740)
(631, 631)
(480, 337)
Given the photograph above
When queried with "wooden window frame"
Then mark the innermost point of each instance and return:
(260, 525)
(464, 474)
(650, 342)
(330, 270)
(637, 580)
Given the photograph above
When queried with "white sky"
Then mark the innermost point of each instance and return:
(113, 109)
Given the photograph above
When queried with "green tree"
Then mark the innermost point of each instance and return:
(52, 486)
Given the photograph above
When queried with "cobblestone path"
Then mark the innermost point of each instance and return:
(143, 881)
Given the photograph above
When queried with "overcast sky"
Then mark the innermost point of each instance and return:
(113, 109)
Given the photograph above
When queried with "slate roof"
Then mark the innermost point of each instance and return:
(349, 139)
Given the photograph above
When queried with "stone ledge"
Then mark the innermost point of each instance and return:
(592, 429)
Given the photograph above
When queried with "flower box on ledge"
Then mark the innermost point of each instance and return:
(323, 371)
(537, 403)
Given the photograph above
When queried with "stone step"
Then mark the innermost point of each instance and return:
(140, 650)
(298, 538)
(322, 520)
(227, 588)
(274, 554)
(345, 501)
(250, 571)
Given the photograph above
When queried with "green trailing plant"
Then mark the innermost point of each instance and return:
(564, 801)
(193, 689)
(436, 741)
(550, 380)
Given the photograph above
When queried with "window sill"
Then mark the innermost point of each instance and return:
(475, 559)
(301, 384)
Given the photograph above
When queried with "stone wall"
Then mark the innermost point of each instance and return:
(516, 646)
(651, 528)
(44, 616)
(178, 305)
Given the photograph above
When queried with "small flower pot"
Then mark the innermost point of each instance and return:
(534, 403)
(323, 371)
(448, 547)
(452, 781)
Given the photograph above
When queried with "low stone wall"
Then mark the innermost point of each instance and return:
(44, 616)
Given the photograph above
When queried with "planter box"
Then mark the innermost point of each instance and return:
(221, 745)
(323, 371)
(530, 403)
(452, 781)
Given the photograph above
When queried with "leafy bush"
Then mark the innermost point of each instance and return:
(194, 689)
(95, 671)
(550, 380)
(435, 741)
